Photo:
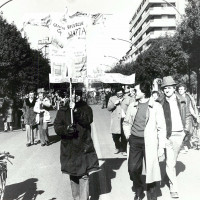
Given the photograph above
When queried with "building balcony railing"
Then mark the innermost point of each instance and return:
(153, 12)
(140, 12)
(151, 35)
(159, 23)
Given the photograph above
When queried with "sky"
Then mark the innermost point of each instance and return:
(120, 12)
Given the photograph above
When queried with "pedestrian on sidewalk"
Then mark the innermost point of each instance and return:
(103, 99)
(30, 119)
(177, 116)
(78, 157)
(8, 114)
(43, 117)
(145, 129)
(188, 140)
(118, 105)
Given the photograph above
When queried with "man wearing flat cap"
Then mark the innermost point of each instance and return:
(177, 117)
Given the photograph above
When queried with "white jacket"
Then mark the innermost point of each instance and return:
(47, 117)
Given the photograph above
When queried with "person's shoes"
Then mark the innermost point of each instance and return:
(116, 151)
(174, 195)
(47, 143)
(43, 145)
(183, 151)
(124, 153)
(137, 198)
(28, 144)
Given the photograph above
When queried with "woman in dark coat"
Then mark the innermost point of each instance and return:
(78, 156)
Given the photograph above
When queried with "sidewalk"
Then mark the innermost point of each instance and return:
(113, 182)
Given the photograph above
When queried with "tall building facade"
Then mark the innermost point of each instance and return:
(152, 19)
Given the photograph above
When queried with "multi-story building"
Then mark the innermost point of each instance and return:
(152, 19)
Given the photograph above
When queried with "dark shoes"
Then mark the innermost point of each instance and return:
(28, 144)
(140, 197)
(137, 198)
(45, 144)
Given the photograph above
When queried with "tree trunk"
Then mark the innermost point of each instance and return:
(198, 87)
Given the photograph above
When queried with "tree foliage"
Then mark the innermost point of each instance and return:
(21, 68)
(164, 57)
(188, 34)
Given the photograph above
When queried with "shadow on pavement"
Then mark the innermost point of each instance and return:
(100, 182)
(24, 191)
(180, 167)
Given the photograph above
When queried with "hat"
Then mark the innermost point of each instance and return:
(168, 81)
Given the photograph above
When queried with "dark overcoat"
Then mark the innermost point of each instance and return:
(78, 156)
(29, 114)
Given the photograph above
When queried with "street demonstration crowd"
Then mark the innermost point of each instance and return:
(147, 127)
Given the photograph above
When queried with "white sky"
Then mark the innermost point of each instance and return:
(118, 26)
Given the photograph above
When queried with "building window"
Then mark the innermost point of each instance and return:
(172, 16)
(172, 28)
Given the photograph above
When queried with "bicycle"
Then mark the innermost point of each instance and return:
(4, 157)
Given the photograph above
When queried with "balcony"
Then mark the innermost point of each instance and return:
(155, 23)
(153, 12)
(152, 35)
(145, 6)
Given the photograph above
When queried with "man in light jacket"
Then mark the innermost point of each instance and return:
(118, 105)
(41, 107)
(145, 129)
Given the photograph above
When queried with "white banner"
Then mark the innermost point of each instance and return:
(113, 78)
(68, 51)
(60, 79)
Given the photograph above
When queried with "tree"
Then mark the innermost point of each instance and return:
(164, 57)
(19, 66)
(188, 34)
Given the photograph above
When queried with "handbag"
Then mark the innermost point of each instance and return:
(47, 117)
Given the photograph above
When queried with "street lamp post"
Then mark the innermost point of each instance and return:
(5, 3)
(172, 6)
(112, 57)
(45, 45)
(127, 42)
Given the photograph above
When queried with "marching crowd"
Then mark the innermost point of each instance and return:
(147, 127)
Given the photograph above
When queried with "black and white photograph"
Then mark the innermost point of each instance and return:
(99, 99)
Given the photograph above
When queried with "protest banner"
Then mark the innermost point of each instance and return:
(113, 78)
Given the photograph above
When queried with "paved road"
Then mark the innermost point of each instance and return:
(35, 173)
(115, 182)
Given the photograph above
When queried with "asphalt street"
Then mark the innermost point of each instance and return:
(35, 173)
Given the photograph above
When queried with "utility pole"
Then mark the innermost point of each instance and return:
(45, 42)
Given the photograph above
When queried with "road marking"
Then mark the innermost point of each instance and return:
(98, 151)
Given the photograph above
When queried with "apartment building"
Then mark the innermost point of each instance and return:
(152, 19)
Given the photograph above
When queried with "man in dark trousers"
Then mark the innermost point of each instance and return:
(78, 157)
(145, 129)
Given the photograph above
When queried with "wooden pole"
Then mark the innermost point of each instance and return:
(70, 92)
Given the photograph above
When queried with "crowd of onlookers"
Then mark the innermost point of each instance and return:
(31, 113)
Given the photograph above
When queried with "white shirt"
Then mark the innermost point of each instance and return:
(177, 124)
